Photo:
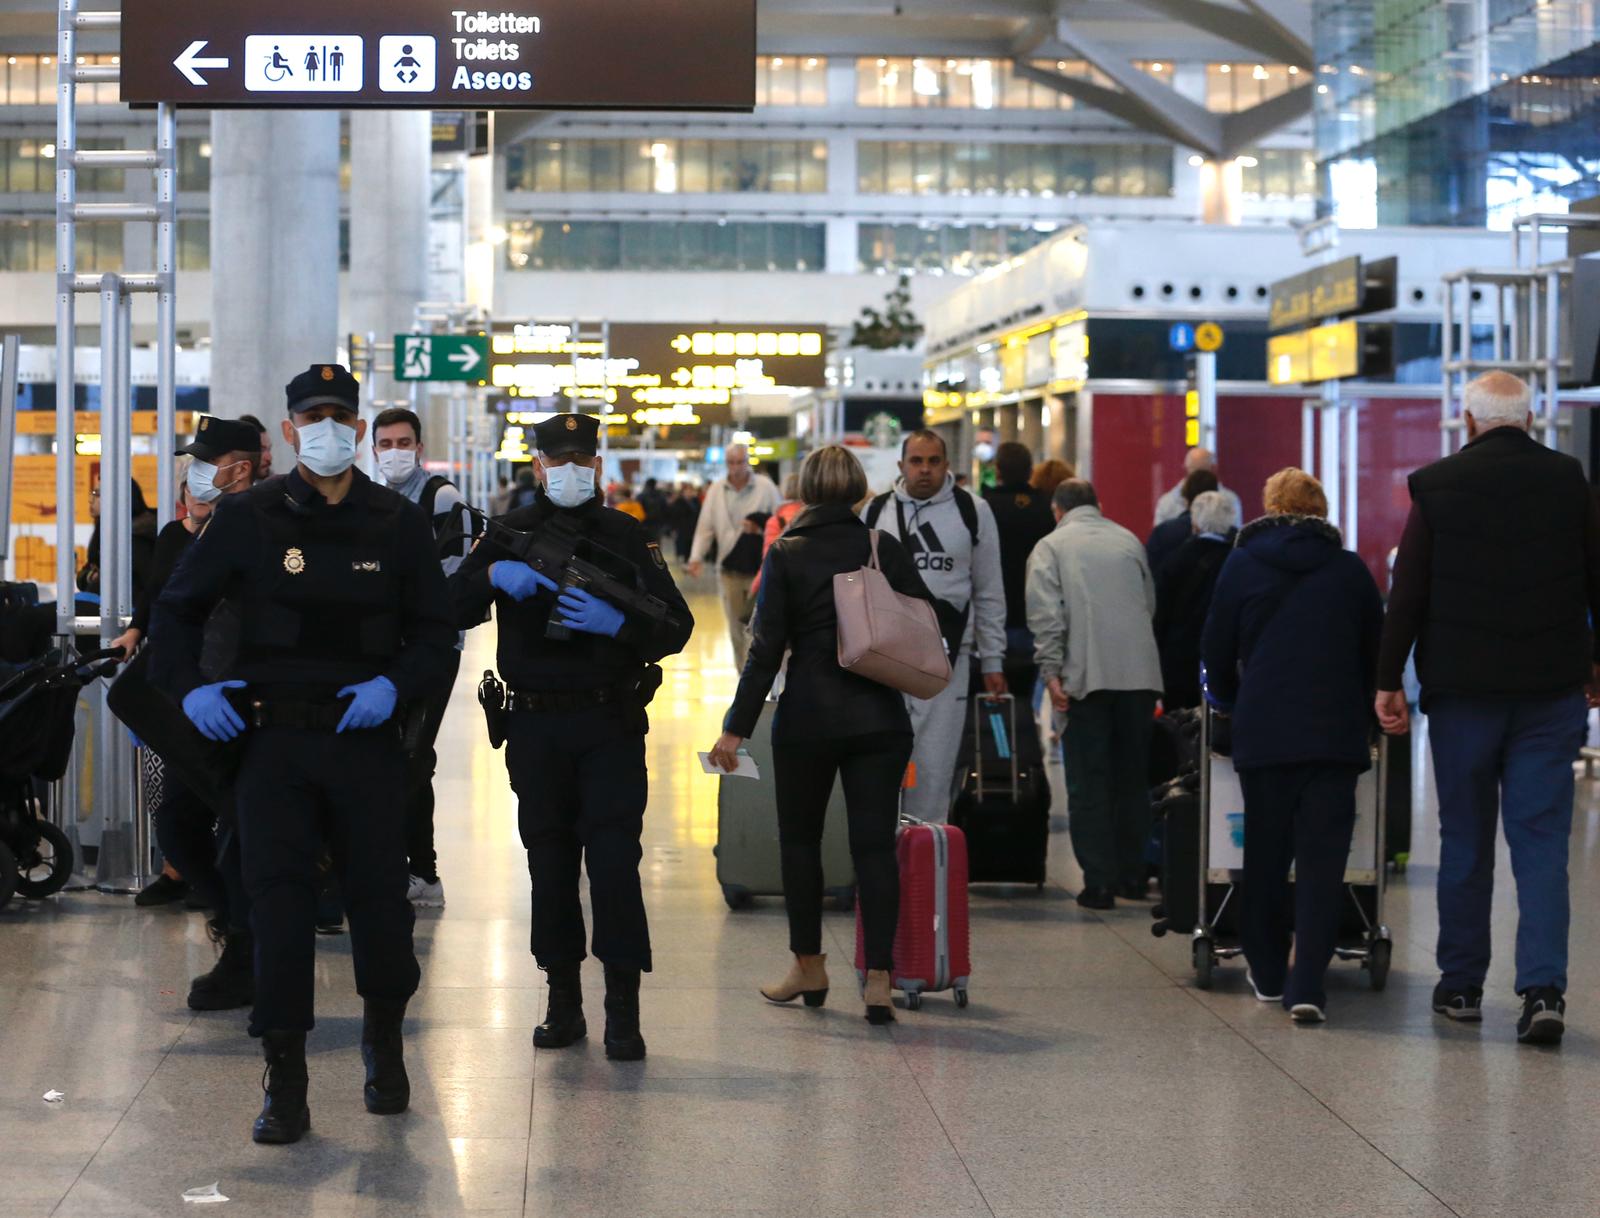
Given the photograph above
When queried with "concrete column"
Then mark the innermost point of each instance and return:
(1007, 429)
(274, 257)
(1221, 192)
(1031, 432)
(391, 159)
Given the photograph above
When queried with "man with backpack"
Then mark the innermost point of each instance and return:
(397, 446)
(956, 547)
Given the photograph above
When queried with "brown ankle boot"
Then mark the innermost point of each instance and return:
(879, 994)
(807, 978)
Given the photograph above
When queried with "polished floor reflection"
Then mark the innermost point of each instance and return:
(1088, 1077)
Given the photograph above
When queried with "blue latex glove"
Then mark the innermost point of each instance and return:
(209, 710)
(519, 581)
(584, 611)
(137, 743)
(371, 705)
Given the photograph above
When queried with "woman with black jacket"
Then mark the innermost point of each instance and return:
(828, 721)
(1291, 646)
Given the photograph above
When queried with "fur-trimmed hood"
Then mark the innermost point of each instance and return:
(1291, 543)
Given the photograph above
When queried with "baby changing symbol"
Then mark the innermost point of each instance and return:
(409, 63)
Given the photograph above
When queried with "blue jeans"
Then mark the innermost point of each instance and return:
(1511, 757)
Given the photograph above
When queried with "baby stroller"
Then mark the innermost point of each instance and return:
(38, 703)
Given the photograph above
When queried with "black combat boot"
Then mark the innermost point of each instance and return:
(623, 1041)
(388, 1090)
(563, 1020)
(232, 983)
(285, 1117)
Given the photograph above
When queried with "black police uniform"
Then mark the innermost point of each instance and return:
(330, 595)
(575, 737)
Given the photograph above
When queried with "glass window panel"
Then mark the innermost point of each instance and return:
(1077, 170)
(605, 165)
(783, 81)
(957, 244)
(1103, 180)
(694, 246)
(604, 245)
(814, 168)
(958, 84)
(194, 245)
(547, 160)
(640, 174)
(694, 166)
(722, 248)
(783, 166)
(986, 84)
(958, 169)
(814, 81)
(1014, 89)
(1045, 160)
(25, 175)
(871, 246)
(575, 160)
(812, 244)
(25, 82)
(928, 169)
(1219, 89)
(1014, 168)
(1158, 168)
(907, 238)
(519, 167)
(988, 248)
(724, 166)
(636, 247)
(985, 161)
(763, 80)
(869, 82)
(898, 168)
(929, 253)
(1130, 172)
(870, 165)
(753, 173)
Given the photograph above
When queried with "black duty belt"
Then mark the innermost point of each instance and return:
(319, 716)
(560, 699)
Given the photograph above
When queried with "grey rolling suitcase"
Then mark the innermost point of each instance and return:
(747, 833)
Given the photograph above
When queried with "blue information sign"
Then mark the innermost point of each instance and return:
(1181, 336)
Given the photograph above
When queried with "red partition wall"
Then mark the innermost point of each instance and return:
(1138, 447)
(1396, 436)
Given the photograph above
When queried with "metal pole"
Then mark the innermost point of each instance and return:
(1446, 356)
(66, 315)
(1552, 361)
(8, 436)
(1352, 475)
(1205, 383)
(166, 312)
(1332, 450)
(1308, 436)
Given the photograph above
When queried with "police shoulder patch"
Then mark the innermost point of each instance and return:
(655, 554)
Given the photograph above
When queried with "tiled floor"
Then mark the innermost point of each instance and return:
(1089, 1076)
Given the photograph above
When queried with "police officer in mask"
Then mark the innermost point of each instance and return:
(576, 727)
(345, 619)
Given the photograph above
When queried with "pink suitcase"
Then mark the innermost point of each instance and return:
(932, 950)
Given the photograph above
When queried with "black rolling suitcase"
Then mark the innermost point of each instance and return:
(1177, 813)
(1002, 802)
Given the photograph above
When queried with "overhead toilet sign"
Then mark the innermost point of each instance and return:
(427, 54)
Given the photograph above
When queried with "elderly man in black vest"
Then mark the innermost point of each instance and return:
(1497, 583)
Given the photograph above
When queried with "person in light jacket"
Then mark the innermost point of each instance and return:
(722, 518)
(1091, 603)
(829, 722)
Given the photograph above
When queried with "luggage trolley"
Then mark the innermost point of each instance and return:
(1363, 935)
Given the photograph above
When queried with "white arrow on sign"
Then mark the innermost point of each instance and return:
(467, 360)
(190, 60)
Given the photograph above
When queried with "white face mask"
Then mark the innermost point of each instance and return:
(397, 464)
(327, 447)
(984, 452)
(202, 481)
(569, 486)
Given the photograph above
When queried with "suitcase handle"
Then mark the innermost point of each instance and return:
(1010, 703)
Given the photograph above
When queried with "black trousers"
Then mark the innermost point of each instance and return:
(296, 789)
(419, 782)
(1303, 815)
(205, 853)
(581, 791)
(872, 767)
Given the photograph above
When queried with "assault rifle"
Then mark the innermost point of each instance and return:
(553, 552)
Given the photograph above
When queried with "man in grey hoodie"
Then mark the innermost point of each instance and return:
(954, 542)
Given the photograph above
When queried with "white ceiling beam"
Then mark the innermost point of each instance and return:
(1248, 127)
(1109, 101)
(1163, 109)
(1252, 30)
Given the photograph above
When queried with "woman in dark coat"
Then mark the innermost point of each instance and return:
(1291, 646)
(1183, 595)
(829, 721)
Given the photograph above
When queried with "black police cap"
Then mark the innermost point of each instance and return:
(214, 438)
(567, 433)
(324, 385)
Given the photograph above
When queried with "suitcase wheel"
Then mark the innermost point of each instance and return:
(1379, 955)
(1204, 963)
(913, 1001)
(737, 898)
(961, 998)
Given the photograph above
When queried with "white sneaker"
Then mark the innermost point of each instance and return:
(1307, 1012)
(1256, 990)
(425, 895)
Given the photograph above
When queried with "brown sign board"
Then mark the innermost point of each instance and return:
(1340, 289)
(441, 54)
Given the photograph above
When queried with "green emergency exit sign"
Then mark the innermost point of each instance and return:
(441, 357)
